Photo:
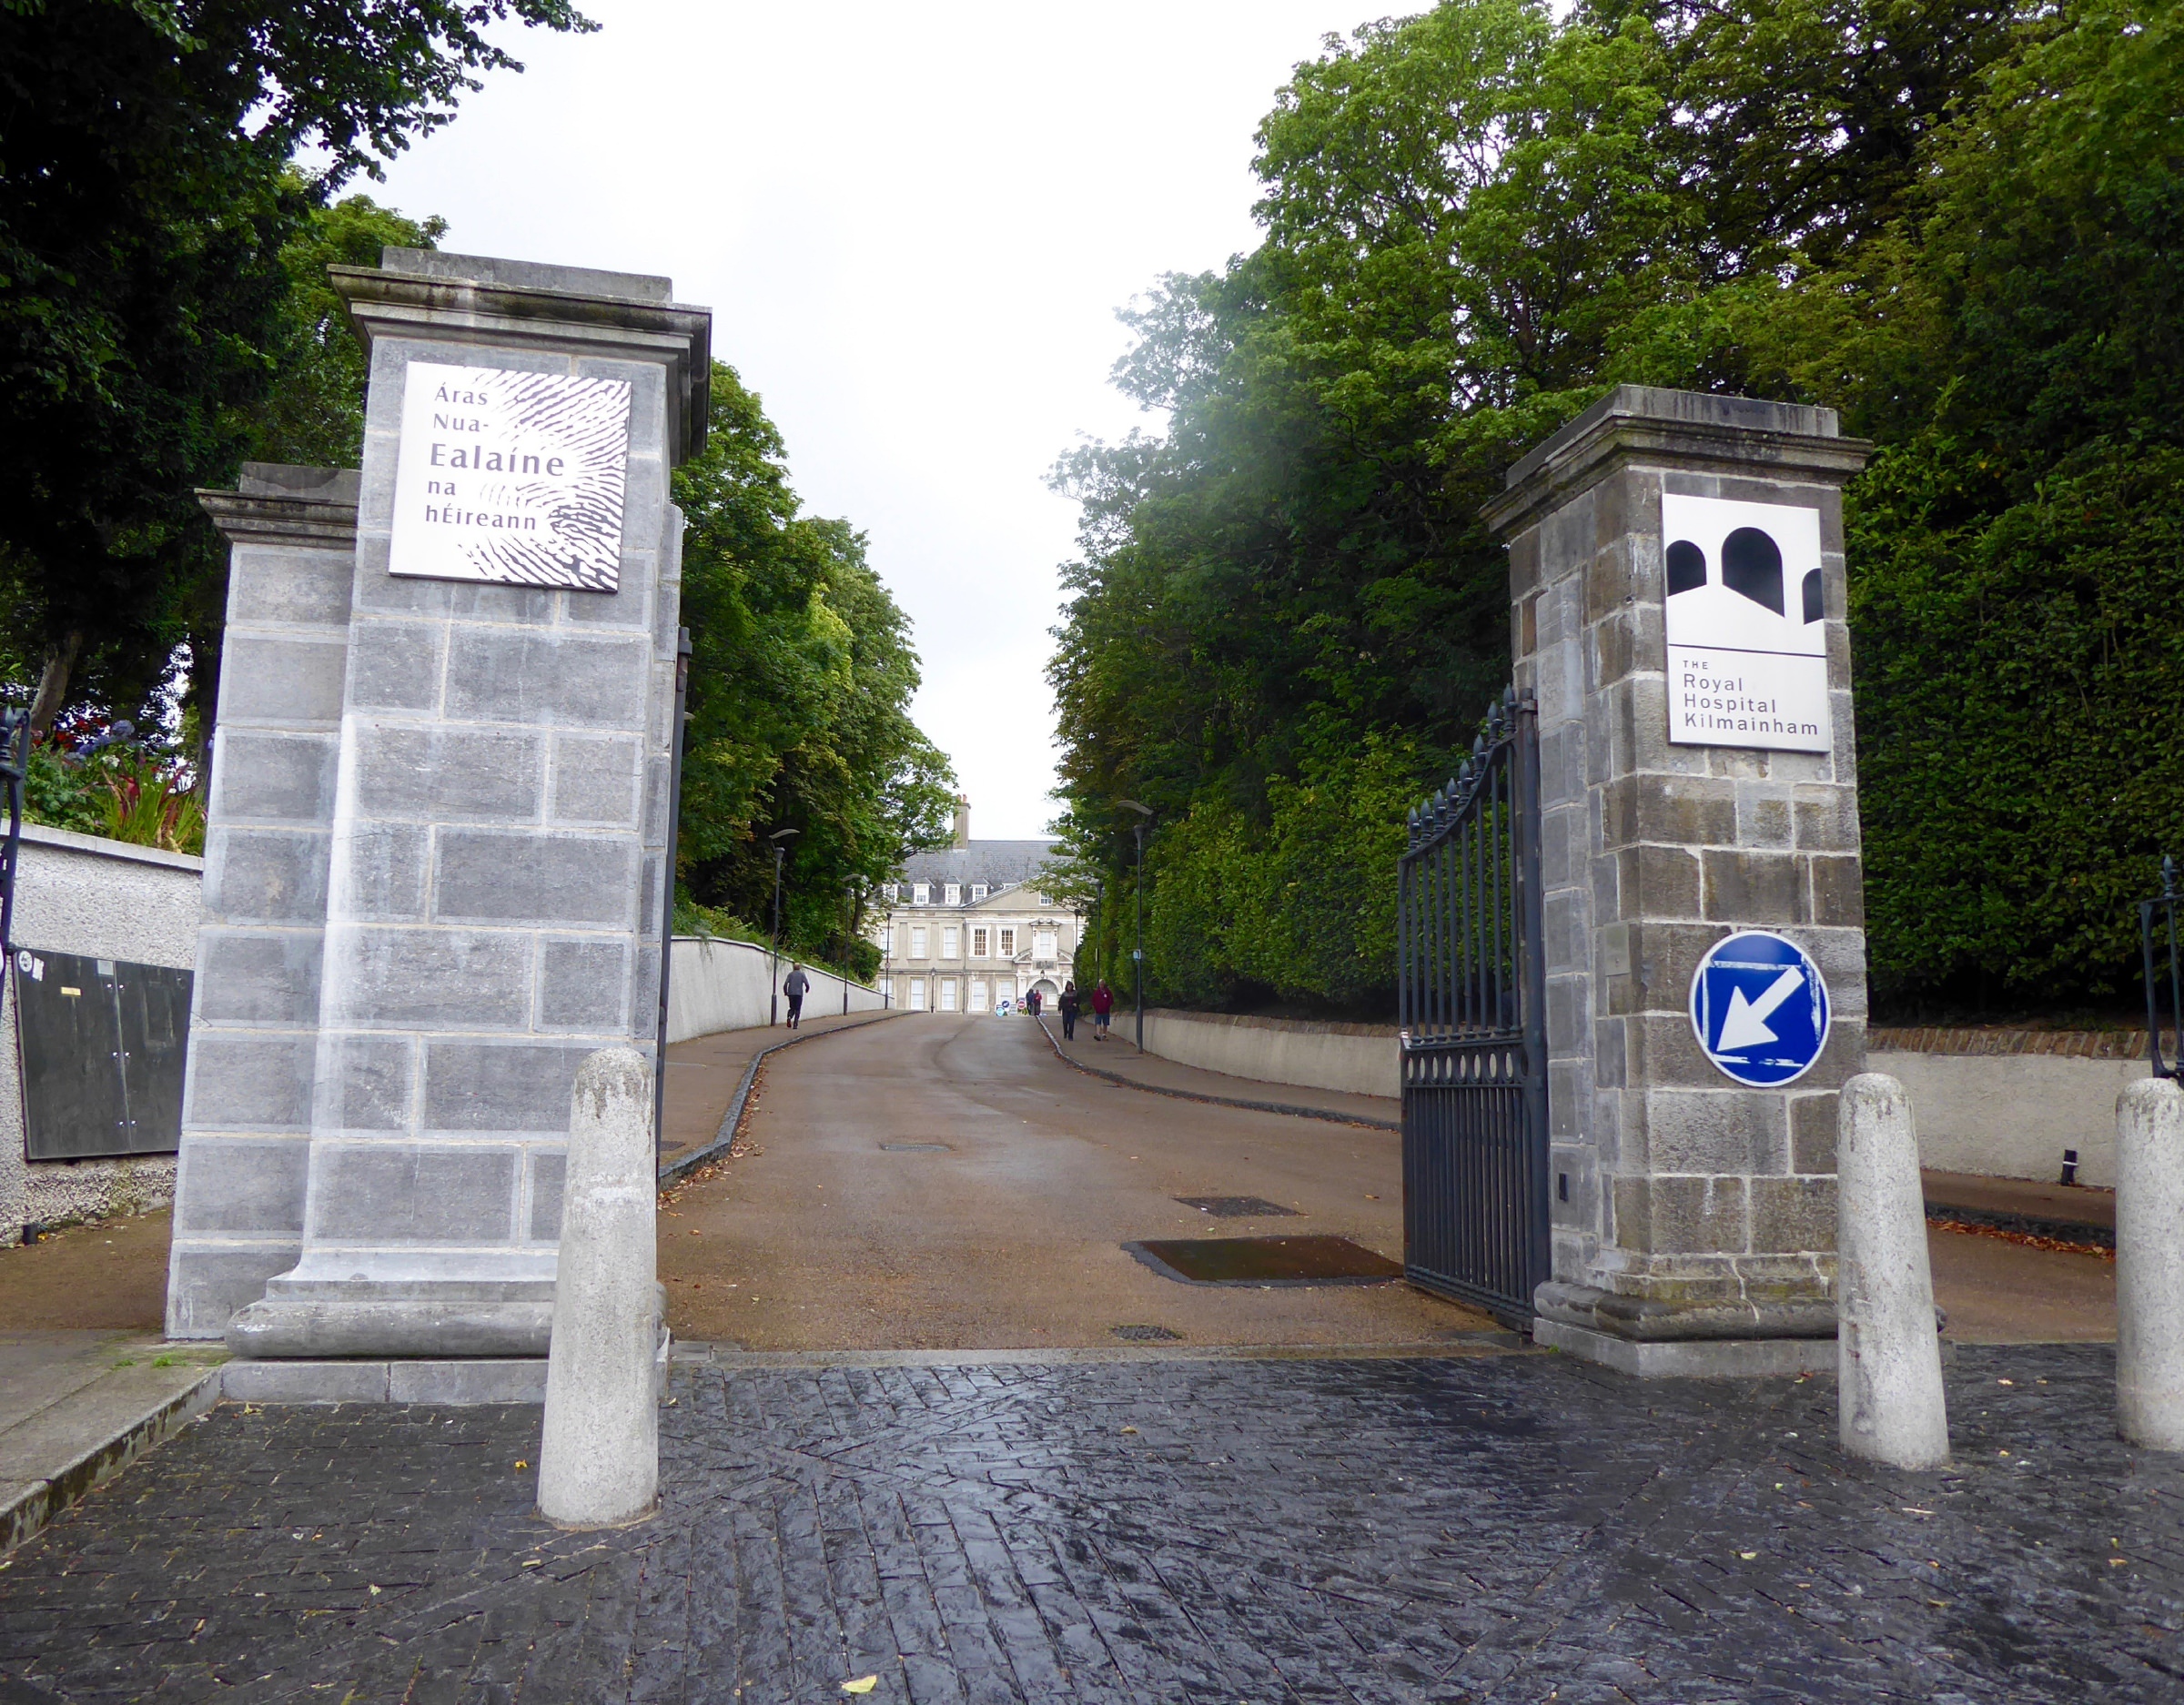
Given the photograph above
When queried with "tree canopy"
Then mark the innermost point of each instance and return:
(147, 202)
(1957, 225)
(802, 671)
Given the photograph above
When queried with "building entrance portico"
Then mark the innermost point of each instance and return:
(967, 927)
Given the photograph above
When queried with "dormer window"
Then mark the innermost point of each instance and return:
(979, 893)
(894, 891)
(954, 893)
(921, 894)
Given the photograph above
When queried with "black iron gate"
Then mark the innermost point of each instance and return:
(1472, 975)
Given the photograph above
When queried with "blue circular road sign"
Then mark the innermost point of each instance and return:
(1759, 1008)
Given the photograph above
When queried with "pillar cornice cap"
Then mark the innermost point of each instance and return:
(434, 298)
(274, 504)
(1697, 431)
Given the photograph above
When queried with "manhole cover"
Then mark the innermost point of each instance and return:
(1237, 1206)
(915, 1148)
(1265, 1261)
(1146, 1335)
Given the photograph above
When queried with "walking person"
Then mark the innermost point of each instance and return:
(1069, 1007)
(1103, 1008)
(794, 989)
(1036, 1001)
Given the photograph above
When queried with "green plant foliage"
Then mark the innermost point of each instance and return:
(150, 803)
(127, 792)
(65, 795)
(1288, 617)
(2019, 549)
(800, 683)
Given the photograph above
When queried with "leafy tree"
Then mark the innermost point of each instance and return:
(802, 673)
(2017, 547)
(1288, 615)
(146, 202)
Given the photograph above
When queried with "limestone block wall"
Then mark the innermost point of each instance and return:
(254, 1017)
(79, 893)
(1675, 1185)
(441, 813)
(715, 984)
(1357, 1059)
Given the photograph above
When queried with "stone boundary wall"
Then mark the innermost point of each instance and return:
(1357, 1059)
(79, 893)
(2004, 1104)
(718, 984)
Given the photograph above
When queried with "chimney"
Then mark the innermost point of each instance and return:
(963, 819)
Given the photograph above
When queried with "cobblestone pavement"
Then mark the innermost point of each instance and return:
(1515, 1527)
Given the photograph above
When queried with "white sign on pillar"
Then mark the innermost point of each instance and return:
(510, 477)
(1747, 635)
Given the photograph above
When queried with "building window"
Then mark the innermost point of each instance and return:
(981, 941)
(1008, 941)
(947, 995)
(917, 995)
(921, 894)
(894, 891)
(953, 893)
(887, 988)
(977, 893)
(917, 940)
(978, 995)
(951, 942)
(1043, 943)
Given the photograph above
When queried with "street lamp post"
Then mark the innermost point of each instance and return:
(780, 839)
(1145, 816)
(849, 914)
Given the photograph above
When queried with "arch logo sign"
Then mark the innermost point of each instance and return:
(1759, 1007)
(1747, 634)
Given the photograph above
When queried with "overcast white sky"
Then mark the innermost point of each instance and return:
(913, 225)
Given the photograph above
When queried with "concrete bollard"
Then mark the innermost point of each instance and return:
(1887, 1353)
(599, 1463)
(2150, 1264)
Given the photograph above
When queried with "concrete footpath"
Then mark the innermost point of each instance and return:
(704, 1074)
(77, 1406)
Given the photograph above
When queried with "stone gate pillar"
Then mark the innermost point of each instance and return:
(438, 826)
(1688, 793)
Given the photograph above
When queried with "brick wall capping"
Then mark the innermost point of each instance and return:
(1968, 1039)
(555, 308)
(1676, 428)
(279, 505)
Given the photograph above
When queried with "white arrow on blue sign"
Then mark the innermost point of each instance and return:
(1759, 1007)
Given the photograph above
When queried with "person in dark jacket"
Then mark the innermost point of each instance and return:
(1070, 1003)
(1103, 1008)
(794, 988)
(1035, 1000)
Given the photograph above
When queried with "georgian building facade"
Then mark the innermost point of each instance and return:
(965, 929)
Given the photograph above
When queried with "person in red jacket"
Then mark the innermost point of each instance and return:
(1103, 1007)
